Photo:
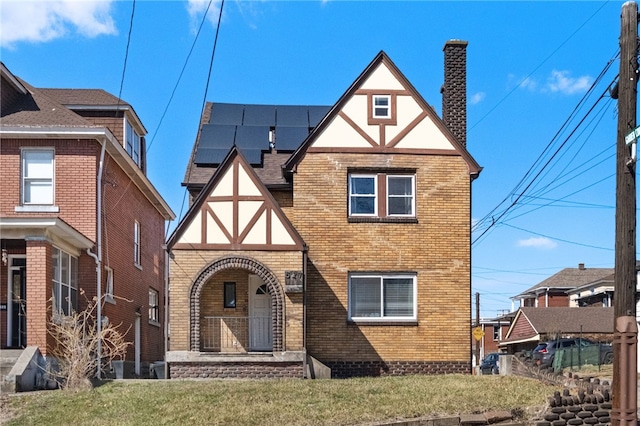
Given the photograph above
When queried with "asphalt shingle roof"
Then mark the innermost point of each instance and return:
(570, 320)
(39, 110)
(93, 97)
(569, 278)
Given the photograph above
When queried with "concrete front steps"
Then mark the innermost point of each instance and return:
(8, 358)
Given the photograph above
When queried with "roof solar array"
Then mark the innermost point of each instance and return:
(248, 127)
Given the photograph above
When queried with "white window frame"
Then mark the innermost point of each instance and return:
(384, 318)
(497, 332)
(65, 286)
(375, 107)
(25, 180)
(413, 195)
(108, 292)
(375, 195)
(132, 142)
(154, 306)
(137, 255)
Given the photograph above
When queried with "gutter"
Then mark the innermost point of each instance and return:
(305, 255)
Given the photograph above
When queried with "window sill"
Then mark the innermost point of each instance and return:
(154, 323)
(372, 219)
(411, 322)
(36, 209)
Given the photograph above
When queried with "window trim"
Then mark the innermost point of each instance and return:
(497, 331)
(384, 319)
(381, 196)
(229, 286)
(31, 206)
(375, 194)
(154, 309)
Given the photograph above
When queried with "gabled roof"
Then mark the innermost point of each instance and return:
(568, 278)
(529, 323)
(427, 114)
(235, 211)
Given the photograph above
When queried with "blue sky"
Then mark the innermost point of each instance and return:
(529, 65)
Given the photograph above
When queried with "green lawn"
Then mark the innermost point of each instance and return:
(277, 402)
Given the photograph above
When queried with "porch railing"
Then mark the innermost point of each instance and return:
(234, 334)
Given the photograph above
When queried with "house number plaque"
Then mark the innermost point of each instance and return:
(293, 281)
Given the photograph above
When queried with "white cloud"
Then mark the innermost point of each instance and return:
(42, 21)
(198, 7)
(537, 242)
(476, 98)
(560, 81)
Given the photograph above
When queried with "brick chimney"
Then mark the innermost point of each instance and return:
(454, 89)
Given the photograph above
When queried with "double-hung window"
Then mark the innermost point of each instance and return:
(381, 106)
(154, 307)
(37, 176)
(65, 282)
(382, 297)
(497, 332)
(363, 195)
(382, 195)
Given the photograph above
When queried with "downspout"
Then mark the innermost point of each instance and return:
(98, 258)
(166, 310)
(304, 312)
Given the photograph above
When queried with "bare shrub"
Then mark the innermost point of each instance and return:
(76, 341)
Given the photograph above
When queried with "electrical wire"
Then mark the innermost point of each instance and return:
(184, 66)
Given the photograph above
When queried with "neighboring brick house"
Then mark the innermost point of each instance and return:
(534, 325)
(330, 237)
(495, 329)
(77, 213)
(553, 291)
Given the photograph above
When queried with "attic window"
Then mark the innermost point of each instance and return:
(381, 106)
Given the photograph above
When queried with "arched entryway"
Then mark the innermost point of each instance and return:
(251, 266)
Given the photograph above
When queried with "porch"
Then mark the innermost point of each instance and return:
(233, 335)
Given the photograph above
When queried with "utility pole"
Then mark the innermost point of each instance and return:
(625, 327)
(478, 325)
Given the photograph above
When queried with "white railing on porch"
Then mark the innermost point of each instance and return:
(234, 334)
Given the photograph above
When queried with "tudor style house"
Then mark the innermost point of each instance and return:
(328, 240)
(77, 215)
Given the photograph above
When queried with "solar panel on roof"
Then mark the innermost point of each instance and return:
(316, 114)
(253, 156)
(259, 115)
(217, 136)
(226, 114)
(290, 138)
(210, 155)
(292, 116)
(253, 137)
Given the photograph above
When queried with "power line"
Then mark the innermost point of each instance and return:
(175, 87)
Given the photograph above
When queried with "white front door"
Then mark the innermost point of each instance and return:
(259, 315)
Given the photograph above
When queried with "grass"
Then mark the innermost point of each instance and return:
(278, 402)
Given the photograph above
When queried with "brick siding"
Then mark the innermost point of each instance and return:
(235, 370)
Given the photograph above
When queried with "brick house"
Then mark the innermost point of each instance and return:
(554, 291)
(328, 239)
(78, 213)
